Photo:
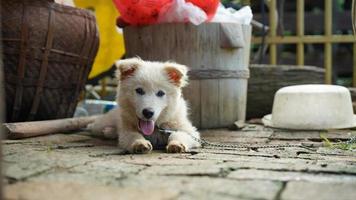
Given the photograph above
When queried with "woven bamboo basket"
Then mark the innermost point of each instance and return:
(48, 52)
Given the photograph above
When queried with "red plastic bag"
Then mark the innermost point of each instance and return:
(209, 6)
(137, 12)
(140, 12)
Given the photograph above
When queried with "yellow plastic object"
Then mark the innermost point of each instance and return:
(111, 45)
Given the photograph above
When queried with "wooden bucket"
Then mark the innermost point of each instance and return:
(218, 57)
(48, 53)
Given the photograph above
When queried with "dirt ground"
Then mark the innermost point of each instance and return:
(79, 166)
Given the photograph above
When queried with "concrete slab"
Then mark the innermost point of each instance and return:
(80, 166)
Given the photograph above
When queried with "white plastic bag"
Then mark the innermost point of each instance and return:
(65, 2)
(242, 16)
(181, 11)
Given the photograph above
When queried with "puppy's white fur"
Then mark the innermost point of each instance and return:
(170, 110)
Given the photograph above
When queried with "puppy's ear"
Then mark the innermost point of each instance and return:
(127, 67)
(177, 74)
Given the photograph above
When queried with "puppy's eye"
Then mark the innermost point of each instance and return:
(160, 93)
(140, 91)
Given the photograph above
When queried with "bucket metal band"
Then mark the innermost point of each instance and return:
(218, 74)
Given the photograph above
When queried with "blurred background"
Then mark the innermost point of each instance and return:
(316, 33)
(294, 34)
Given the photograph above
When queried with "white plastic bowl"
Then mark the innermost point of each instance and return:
(311, 107)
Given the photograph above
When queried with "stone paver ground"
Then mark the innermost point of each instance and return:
(79, 166)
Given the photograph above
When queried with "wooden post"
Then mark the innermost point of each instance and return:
(328, 45)
(353, 15)
(300, 32)
(354, 64)
(272, 31)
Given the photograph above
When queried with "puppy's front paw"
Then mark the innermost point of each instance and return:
(141, 146)
(176, 147)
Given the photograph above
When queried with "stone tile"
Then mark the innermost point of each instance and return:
(332, 158)
(237, 140)
(163, 159)
(248, 160)
(54, 138)
(253, 174)
(90, 163)
(286, 164)
(313, 135)
(56, 190)
(104, 172)
(334, 151)
(249, 132)
(23, 170)
(333, 167)
(260, 152)
(208, 196)
(195, 186)
(29, 162)
(299, 190)
(189, 170)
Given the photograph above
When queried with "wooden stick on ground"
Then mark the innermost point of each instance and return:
(21, 130)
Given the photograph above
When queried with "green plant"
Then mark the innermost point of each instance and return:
(348, 145)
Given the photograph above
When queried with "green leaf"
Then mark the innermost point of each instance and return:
(326, 140)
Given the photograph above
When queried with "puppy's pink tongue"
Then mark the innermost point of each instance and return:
(147, 127)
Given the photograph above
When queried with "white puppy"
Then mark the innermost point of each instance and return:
(149, 96)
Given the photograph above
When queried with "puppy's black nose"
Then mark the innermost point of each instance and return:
(147, 113)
